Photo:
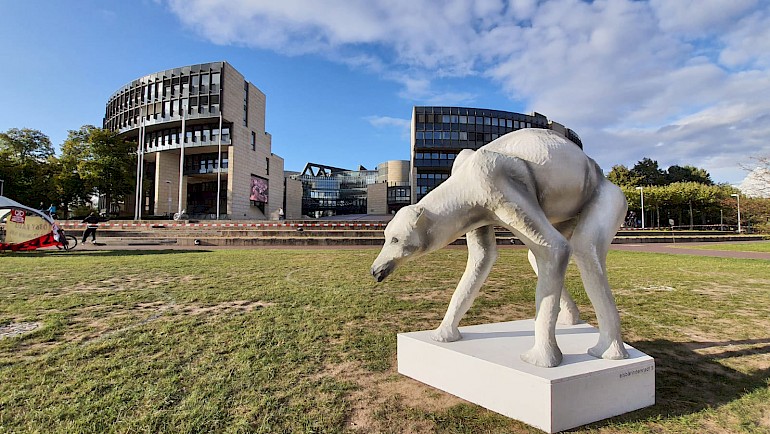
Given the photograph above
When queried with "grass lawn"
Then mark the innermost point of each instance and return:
(755, 246)
(304, 341)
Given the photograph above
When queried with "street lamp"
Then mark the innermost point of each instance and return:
(738, 196)
(641, 191)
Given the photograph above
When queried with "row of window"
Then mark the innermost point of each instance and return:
(203, 105)
(477, 128)
(433, 163)
(432, 176)
(428, 181)
(434, 155)
(398, 193)
(194, 134)
(422, 190)
(477, 120)
(166, 88)
(456, 135)
(203, 163)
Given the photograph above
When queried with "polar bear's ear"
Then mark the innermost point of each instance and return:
(422, 221)
(461, 158)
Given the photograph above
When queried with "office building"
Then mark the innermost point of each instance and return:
(329, 191)
(440, 133)
(205, 150)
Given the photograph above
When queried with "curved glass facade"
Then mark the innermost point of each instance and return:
(440, 133)
(194, 91)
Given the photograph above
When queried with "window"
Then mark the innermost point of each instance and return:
(245, 103)
(267, 166)
(215, 78)
(253, 141)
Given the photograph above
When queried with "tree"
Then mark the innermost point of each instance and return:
(26, 162)
(96, 161)
(26, 144)
(648, 172)
(682, 201)
(622, 176)
(688, 174)
(70, 186)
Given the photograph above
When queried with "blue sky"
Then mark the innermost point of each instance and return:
(681, 82)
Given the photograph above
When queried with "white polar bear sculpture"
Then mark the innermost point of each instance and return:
(548, 193)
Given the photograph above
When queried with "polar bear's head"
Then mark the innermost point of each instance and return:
(406, 237)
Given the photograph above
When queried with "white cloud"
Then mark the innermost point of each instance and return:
(387, 121)
(692, 74)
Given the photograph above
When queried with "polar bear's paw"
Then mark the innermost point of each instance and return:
(446, 334)
(545, 356)
(615, 350)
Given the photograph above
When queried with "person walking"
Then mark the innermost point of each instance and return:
(92, 223)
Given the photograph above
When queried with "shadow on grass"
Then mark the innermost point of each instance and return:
(687, 381)
(102, 253)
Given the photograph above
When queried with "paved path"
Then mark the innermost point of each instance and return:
(684, 249)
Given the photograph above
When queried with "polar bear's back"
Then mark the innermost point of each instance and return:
(537, 146)
(560, 173)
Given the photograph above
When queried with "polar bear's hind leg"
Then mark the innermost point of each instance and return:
(591, 240)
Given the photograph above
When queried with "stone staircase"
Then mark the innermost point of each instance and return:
(321, 233)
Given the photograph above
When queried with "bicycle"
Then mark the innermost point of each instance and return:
(70, 242)
(67, 242)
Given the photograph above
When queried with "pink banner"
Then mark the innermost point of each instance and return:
(258, 189)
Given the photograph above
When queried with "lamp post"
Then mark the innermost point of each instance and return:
(168, 188)
(738, 196)
(641, 191)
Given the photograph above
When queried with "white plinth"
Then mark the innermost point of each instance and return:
(484, 368)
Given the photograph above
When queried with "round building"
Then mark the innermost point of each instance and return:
(204, 149)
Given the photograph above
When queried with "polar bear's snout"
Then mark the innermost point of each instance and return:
(383, 270)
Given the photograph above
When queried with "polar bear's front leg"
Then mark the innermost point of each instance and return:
(482, 253)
